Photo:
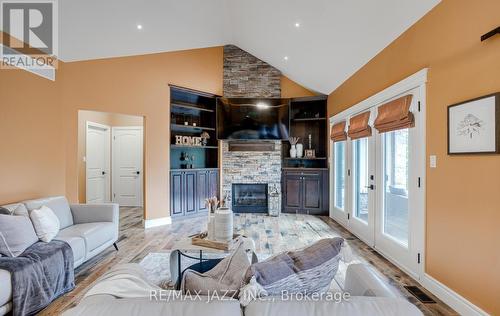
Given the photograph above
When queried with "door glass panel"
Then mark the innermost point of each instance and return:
(339, 171)
(395, 213)
(361, 180)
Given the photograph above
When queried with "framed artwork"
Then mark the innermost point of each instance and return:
(310, 153)
(474, 126)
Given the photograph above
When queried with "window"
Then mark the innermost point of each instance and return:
(339, 174)
(361, 178)
(396, 157)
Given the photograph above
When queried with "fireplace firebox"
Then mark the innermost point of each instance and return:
(249, 198)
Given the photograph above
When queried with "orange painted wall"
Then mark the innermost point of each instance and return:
(32, 158)
(463, 200)
(291, 89)
(136, 86)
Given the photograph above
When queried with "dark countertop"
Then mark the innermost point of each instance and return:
(194, 169)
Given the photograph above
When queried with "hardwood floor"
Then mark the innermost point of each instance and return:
(271, 235)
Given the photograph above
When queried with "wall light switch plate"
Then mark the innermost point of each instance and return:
(433, 161)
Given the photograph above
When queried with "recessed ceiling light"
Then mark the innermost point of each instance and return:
(139, 26)
(297, 24)
(285, 58)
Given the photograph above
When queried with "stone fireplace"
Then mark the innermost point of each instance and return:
(250, 198)
(253, 167)
(251, 163)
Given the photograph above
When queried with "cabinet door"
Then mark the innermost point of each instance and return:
(312, 186)
(292, 193)
(176, 193)
(202, 190)
(189, 192)
(213, 183)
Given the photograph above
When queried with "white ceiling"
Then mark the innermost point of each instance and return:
(334, 40)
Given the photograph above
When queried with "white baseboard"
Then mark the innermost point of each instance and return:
(450, 297)
(148, 223)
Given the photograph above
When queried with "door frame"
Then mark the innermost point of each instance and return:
(107, 129)
(113, 157)
(416, 81)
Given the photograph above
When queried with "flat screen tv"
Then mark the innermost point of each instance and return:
(252, 118)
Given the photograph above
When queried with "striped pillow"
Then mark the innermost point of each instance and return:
(309, 270)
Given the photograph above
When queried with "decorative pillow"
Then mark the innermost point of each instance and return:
(310, 270)
(45, 222)
(227, 277)
(16, 234)
(14, 209)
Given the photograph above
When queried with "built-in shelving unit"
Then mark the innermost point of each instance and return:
(305, 180)
(308, 117)
(194, 174)
(192, 113)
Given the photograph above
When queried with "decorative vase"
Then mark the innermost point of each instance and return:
(211, 227)
(223, 229)
(293, 152)
(300, 150)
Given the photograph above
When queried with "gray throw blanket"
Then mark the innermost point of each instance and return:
(42, 273)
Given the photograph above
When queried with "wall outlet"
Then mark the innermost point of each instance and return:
(433, 161)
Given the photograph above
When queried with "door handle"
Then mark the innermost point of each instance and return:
(371, 187)
(103, 172)
(137, 172)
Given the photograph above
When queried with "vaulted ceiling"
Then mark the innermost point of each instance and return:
(317, 43)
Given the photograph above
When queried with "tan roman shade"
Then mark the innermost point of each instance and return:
(359, 127)
(338, 133)
(395, 115)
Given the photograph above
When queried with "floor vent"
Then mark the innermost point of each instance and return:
(420, 295)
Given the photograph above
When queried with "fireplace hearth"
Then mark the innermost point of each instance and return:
(250, 198)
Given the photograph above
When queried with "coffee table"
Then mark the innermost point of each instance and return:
(183, 249)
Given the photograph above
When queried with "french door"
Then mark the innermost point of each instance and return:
(377, 189)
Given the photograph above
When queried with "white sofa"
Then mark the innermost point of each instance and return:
(369, 296)
(87, 228)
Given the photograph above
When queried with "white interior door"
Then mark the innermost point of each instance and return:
(97, 163)
(127, 165)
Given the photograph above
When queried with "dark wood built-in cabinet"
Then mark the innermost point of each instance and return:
(190, 188)
(305, 180)
(194, 175)
(305, 191)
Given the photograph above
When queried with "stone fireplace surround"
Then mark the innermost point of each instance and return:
(253, 167)
(246, 76)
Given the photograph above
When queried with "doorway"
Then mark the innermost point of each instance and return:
(110, 151)
(378, 180)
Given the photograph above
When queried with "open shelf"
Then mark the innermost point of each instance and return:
(309, 119)
(189, 106)
(189, 127)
